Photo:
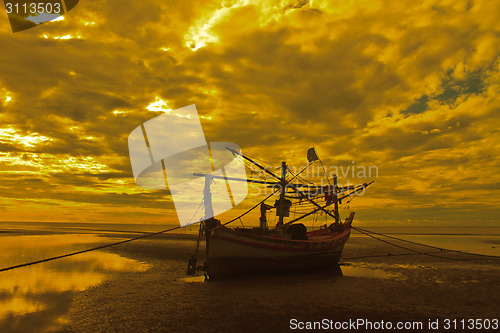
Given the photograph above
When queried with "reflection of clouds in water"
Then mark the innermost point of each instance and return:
(366, 271)
(18, 306)
(49, 319)
(35, 298)
(17, 249)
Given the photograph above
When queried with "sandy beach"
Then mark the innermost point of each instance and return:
(390, 288)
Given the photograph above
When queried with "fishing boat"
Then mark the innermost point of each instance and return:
(287, 246)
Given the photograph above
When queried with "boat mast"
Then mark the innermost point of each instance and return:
(282, 194)
(207, 198)
(335, 197)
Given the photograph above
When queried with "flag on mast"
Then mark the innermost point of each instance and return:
(311, 155)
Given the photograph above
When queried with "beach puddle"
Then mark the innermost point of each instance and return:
(195, 279)
(367, 272)
(37, 297)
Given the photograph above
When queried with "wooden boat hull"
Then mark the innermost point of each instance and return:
(232, 252)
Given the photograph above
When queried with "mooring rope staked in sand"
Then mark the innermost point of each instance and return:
(392, 255)
(364, 231)
(430, 254)
(87, 250)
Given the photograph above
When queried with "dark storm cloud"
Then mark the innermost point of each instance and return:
(142, 200)
(269, 69)
(79, 188)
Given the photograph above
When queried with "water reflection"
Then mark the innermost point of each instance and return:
(342, 270)
(36, 298)
(197, 279)
(367, 272)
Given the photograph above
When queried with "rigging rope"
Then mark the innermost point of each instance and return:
(324, 169)
(296, 176)
(252, 208)
(391, 255)
(197, 209)
(253, 169)
(369, 233)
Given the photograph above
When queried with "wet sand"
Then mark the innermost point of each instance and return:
(389, 288)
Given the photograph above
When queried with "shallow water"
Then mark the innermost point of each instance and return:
(365, 271)
(195, 279)
(41, 294)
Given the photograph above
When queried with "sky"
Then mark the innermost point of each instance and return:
(411, 88)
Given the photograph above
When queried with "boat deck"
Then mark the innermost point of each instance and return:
(320, 237)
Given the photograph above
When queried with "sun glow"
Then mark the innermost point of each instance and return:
(10, 135)
(200, 34)
(119, 112)
(159, 105)
(65, 37)
(5, 96)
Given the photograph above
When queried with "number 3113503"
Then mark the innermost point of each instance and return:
(33, 8)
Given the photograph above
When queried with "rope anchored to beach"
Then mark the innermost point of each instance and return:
(430, 254)
(87, 250)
